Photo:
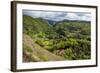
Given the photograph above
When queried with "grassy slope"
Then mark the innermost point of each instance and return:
(33, 52)
(35, 24)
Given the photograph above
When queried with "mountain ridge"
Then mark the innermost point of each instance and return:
(52, 22)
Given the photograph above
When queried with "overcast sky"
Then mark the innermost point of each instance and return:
(58, 15)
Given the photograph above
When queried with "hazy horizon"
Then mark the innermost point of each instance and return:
(58, 15)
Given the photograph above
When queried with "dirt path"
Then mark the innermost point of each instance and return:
(38, 53)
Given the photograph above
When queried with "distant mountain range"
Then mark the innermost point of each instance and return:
(54, 22)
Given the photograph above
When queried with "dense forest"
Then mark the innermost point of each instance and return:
(70, 40)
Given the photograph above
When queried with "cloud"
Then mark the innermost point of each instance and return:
(72, 16)
(79, 16)
(58, 16)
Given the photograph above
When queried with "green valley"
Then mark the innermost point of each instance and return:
(64, 40)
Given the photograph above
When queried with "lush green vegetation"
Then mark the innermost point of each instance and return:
(68, 39)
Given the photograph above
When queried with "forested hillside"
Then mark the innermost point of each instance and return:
(69, 40)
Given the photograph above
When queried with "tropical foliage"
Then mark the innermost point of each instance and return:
(69, 39)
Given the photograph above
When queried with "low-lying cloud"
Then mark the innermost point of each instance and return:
(58, 15)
